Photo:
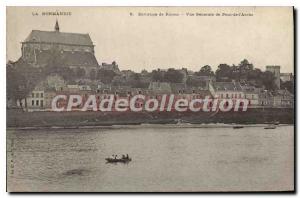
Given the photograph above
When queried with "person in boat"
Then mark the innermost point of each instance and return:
(123, 157)
(116, 156)
(127, 156)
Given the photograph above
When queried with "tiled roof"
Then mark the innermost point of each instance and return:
(59, 37)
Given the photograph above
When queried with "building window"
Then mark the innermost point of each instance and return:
(42, 103)
(32, 103)
(32, 95)
(42, 95)
(37, 103)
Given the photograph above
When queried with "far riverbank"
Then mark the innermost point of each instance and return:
(18, 118)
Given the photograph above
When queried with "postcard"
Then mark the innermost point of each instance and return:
(150, 99)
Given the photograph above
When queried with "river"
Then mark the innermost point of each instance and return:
(164, 158)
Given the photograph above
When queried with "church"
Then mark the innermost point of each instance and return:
(74, 50)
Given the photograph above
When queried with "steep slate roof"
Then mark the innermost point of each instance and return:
(59, 37)
(227, 86)
(75, 58)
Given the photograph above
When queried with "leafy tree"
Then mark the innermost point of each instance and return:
(223, 72)
(118, 80)
(173, 76)
(157, 75)
(105, 76)
(245, 68)
(21, 80)
(268, 80)
(245, 65)
(289, 85)
(15, 85)
(205, 71)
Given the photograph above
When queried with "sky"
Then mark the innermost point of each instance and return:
(181, 40)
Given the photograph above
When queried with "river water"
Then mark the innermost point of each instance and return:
(164, 158)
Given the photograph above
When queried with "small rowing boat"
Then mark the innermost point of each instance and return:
(238, 127)
(270, 127)
(116, 160)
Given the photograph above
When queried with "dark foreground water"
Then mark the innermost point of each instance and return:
(164, 159)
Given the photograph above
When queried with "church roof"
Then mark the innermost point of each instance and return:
(76, 58)
(59, 37)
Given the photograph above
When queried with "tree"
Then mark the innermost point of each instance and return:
(173, 76)
(245, 68)
(289, 85)
(105, 76)
(268, 80)
(205, 71)
(223, 73)
(22, 79)
(157, 75)
(245, 65)
(118, 80)
(15, 85)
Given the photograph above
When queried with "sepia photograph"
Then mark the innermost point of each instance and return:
(150, 99)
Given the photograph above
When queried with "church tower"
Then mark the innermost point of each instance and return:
(56, 26)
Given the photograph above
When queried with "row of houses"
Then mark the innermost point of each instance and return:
(41, 97)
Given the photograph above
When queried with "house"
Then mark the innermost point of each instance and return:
(280, 98)
(228, 90)
(252, 94)
(285, 97)
(160, 88)
(110, 66)
(37, 98)
(286, 77)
